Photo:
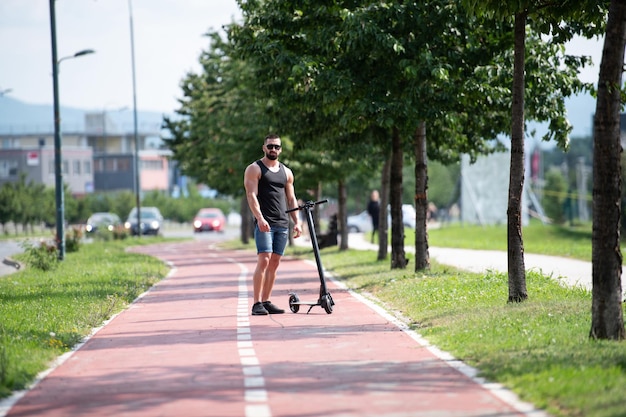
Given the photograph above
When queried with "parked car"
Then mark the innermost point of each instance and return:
(151, 221)
(209, 219)
(362, 222)
(102, 221)
(359, 223)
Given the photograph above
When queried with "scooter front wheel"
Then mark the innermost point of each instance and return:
(293, 303)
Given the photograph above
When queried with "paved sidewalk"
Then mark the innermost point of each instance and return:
(189, 347)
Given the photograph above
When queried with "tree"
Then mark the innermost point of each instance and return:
(607, 320)
(219, 115)
(560, 19)
(376, 67)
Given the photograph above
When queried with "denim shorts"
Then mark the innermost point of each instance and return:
(273, 241)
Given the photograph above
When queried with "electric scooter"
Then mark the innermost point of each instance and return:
(325, 300)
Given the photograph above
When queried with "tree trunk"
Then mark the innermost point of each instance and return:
(341, 214)
(422, 258)
(607, 321)
(246, 221)
(516, 268)
(398, 257)
(383, 227)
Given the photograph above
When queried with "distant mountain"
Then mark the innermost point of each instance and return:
(19, 117)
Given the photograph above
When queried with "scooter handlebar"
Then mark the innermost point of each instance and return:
(308, 204)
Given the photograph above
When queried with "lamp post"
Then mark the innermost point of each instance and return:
(136, 162)
(58, 161)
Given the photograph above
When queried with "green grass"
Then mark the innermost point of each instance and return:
(44, 314)
(569, 242)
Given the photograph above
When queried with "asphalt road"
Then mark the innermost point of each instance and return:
(8, 248)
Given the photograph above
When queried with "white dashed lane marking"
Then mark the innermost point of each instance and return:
(255, 394)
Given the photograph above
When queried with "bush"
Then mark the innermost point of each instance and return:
(105, 235)
(43, 256)
(72, 239)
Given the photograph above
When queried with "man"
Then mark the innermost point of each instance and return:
(270, 192)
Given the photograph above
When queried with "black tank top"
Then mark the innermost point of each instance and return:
(271, 195)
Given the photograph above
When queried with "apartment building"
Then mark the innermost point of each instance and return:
(101, 157)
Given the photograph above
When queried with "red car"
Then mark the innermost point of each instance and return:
(209, 219)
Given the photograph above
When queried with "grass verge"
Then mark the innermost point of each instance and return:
(45, 314)
(570, 242)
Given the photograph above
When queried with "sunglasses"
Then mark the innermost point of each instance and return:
(272, 146)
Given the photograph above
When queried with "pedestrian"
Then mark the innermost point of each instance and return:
(270, 192)
(373, 209)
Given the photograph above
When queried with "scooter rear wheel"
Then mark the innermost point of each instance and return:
(327, 303)
(293, 298)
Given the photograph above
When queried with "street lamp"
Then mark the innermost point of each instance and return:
(137, 186)
(58, 161)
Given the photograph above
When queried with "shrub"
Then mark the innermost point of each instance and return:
(72, 239)
(43, 256)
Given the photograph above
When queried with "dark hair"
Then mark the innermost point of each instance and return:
(271, 136)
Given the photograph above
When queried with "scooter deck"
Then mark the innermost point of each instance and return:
(306, 303)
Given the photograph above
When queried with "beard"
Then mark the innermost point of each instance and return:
(271, 156)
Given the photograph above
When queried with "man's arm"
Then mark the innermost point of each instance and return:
(251, 184)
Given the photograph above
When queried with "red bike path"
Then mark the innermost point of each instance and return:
(189, 347)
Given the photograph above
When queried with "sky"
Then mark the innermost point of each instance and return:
(168, 40)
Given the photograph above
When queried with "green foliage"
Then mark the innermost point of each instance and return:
(556, 195)
(443, 188)
(14, 195)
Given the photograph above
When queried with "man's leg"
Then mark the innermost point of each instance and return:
(258, 282)
(259, 278)
(268, 285)
(264, 247)
(270, 276)
(279, 243)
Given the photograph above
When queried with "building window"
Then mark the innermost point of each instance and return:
(87, 167)
(66, 167)
(51, 167)
(123, 165)
(8, 169)
(76, 165)
(99, 167)
(110, 165)
(152, 165)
